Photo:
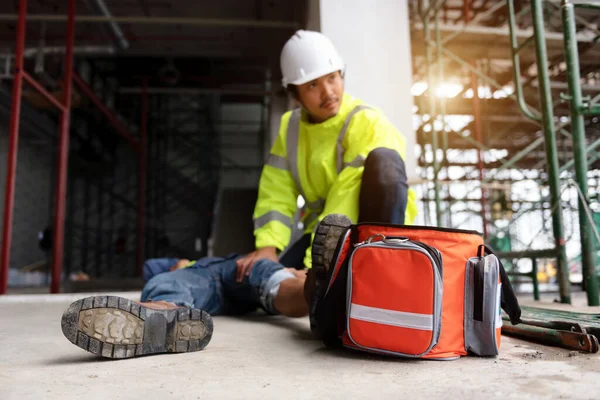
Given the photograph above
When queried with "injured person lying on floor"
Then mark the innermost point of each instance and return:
(178, 299)
(180, 296)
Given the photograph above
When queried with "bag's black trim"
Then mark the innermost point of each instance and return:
(478, 275)
(508, 299)
(429, 228)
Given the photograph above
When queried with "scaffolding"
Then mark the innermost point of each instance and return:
(473, 66)
(145, 158)
(59, 215)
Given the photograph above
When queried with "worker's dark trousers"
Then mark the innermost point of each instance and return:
(383, 198)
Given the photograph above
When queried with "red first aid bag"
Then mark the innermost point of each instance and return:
(416, 292)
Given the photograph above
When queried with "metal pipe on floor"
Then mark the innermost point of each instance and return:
(13, 145)
(63, 157)
(537, 11)
(579, 151)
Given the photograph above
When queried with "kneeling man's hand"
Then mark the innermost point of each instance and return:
(245, 264)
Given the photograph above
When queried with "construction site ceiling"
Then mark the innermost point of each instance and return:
(236, 30)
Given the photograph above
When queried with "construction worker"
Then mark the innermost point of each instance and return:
(342, 156)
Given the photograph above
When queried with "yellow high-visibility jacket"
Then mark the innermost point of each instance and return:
(324, 163)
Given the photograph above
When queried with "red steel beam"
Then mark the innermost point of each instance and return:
(477, 126)
(43, 91)
(118, 125)
(13, 142)
(142, 178)
(63, 157)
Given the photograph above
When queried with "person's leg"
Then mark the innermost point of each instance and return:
(155, 266)
(327, 236)
(384, 188)
(271, 286)
(116, 327)
(383, 198)
(172, 317)
(192, 287)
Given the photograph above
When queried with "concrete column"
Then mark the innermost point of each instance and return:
(373, 38)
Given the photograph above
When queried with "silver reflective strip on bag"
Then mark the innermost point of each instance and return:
(272, 216)
(401, 319)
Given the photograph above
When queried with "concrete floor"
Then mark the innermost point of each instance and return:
(267, 358)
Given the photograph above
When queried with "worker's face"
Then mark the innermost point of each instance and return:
(322, 97)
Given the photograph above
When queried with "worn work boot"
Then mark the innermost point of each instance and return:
(115, 327)
(327, 236)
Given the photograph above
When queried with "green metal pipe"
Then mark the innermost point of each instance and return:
(434, 7)
(581, 20)
(441, 79)
(595, 100)
(432, 116)
(571, 162)
(588, 150)
(495, 84)
(536, 285)
(594, 110)
(442, 113)
(532, 146)
(550, 142)
(523, 11)
(479, 17)
(595, 6)
(466, 138)
(526, 43)
(514, 45)
(472, 141)
(579, 150)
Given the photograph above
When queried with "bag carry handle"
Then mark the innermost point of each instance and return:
(508, 299)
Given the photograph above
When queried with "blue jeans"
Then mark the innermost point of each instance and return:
(210, 284)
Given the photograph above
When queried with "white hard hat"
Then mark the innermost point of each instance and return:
(306, 56)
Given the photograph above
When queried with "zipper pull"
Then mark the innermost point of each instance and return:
(370, 239)
(396, 240)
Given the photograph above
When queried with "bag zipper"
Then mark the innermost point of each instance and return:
(405, 244)
(433, 252)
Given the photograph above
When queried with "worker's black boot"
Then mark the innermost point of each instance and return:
(115, 327)
(327, 236)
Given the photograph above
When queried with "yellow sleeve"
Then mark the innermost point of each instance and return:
(368, 130)
(277, 196)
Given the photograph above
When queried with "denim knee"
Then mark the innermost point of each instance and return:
(155, 266)
(166, 287)
(266, 277)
